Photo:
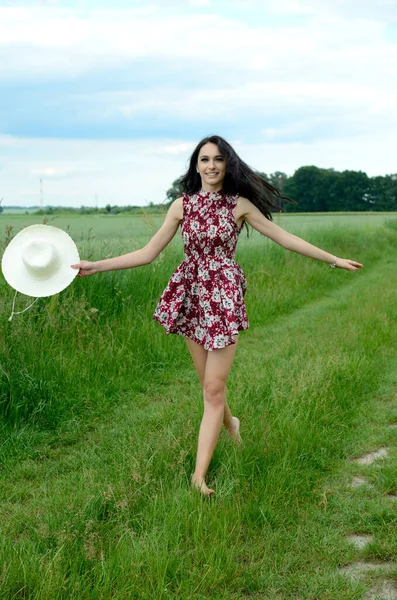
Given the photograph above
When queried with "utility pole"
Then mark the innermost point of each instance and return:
(41, 193)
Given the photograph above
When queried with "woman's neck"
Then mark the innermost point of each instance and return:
(210, 189)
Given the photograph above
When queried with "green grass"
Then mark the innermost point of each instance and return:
(135, 229)
(100, 417)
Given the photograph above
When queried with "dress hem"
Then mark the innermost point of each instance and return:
(168, 331)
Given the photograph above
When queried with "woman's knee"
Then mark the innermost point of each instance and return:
(214, 392)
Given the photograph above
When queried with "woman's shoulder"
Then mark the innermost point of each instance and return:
(243, 202)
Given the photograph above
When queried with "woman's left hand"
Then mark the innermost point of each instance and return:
(349, 265)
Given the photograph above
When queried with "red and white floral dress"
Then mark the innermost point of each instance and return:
(204, 297)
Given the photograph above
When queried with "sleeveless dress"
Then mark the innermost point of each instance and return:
(204, 297)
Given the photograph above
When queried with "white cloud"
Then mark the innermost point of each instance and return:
(62, 171)
(59, 42)
(354, 106)
(181, 148)
(199, 3)
(381, 10)
(7, 140)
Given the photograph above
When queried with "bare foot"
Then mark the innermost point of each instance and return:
(235, 432)
(200, 485)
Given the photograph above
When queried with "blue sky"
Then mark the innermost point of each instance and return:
(108, 99)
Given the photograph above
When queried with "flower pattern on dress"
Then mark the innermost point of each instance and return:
(204, 299)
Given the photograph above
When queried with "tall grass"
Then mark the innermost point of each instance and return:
(97, 340)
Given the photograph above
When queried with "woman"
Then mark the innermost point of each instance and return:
(203, 300)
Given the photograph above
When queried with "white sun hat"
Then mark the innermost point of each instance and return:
(37, 262)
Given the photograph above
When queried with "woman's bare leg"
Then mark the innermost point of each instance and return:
(217, 368)
(199, 357)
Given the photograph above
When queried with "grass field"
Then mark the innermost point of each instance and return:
(100, 413)
(137, 228)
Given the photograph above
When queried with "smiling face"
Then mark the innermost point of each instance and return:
(211, 166)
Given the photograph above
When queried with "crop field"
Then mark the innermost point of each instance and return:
(99, 415)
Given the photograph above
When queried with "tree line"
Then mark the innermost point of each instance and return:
(312, 189)
(325, 190)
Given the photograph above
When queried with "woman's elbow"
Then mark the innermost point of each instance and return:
(145, 257)
(149, 256)
(148, 259)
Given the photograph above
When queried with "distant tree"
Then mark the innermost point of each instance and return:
(175, 191)
(278, 179)
(1, 208)
(383, 194)
(355, 191)
(108, 208)
(307, 186)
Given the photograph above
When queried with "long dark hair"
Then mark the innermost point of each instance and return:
(239, 179)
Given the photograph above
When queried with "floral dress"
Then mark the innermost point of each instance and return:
(204, 297)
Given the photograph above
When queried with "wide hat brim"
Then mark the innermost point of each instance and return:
(24, 281)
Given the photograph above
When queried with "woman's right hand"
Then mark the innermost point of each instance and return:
(86, 268)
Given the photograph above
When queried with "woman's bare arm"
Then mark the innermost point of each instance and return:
(258, 221)
(145, 255)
